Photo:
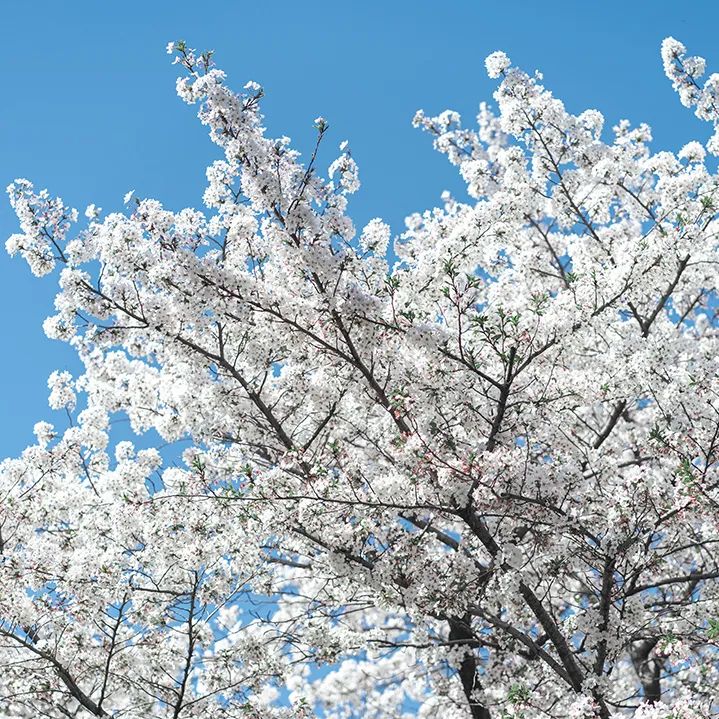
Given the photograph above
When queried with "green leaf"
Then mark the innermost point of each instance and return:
(518, 694)
(713, 631)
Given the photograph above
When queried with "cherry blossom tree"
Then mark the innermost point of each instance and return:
(468, 471)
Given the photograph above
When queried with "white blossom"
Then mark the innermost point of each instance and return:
(497, 63)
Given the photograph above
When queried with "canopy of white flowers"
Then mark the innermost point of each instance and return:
(470, 471)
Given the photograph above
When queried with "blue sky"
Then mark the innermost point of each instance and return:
(89, 108)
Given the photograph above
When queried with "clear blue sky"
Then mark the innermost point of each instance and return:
(89, 109)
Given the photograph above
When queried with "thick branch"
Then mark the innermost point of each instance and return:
(461, 634)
